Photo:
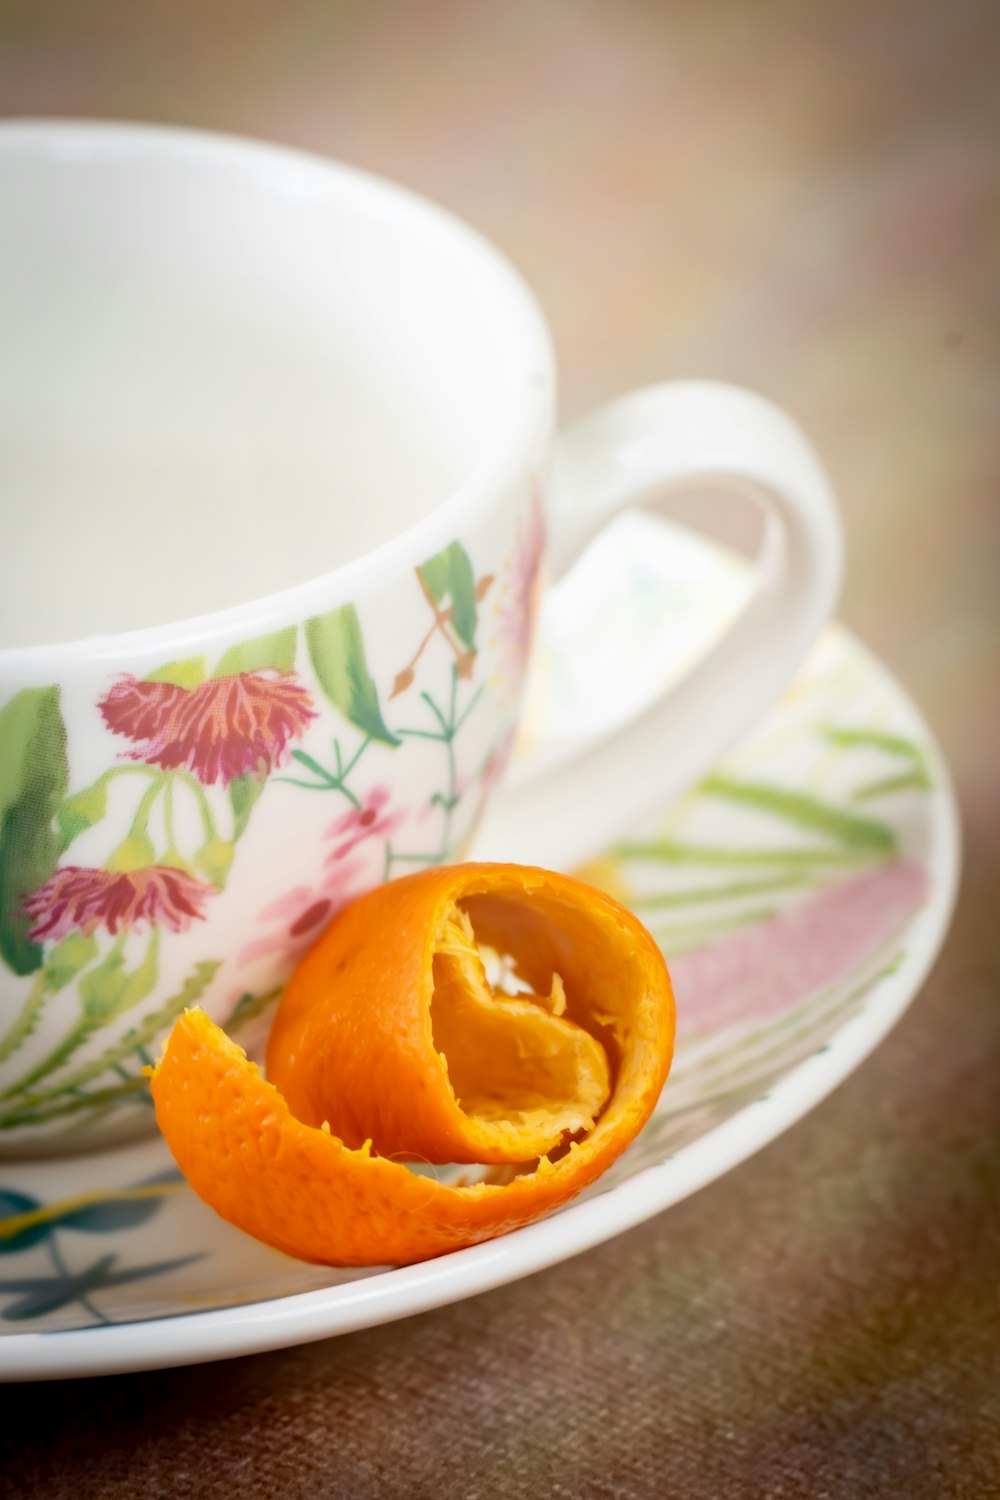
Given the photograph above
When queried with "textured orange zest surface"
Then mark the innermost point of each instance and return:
(359, 1053)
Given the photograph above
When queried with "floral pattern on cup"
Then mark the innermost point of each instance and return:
(192, 748)
(220, 729)
(77, 899)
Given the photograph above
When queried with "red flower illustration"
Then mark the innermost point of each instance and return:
(221, 729)
(364, 822)
(78, 899)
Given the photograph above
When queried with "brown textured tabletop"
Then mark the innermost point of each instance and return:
(803, 198)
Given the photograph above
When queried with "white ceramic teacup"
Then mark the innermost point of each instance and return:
(277, 466)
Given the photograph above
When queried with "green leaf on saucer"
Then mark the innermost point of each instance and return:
(15, 1233)
(111, 1214)
(807, 812)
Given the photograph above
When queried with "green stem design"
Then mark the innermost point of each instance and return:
(917, 780)
(196, 789)
(74, 1039)
(346, 770)
(140, 822)
(449, 799)
(674, 852)
(682, 938)
(63, 1270)
(160, 780)
(250, 1006)
(72, 1104)
(445, 723)
(106, 777)
(468, 709)
(133, 1043)
(707, 894)
(875, 739)
(171, 854)
(327, 781)
(806, 812)
(27, 1018)
(131, 768)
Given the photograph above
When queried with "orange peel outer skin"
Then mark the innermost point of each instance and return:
(301, 1188)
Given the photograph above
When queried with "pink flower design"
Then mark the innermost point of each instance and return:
(78, 899)
(221, 729)
(761, 971)
(300, 913)
(364, 822)
(518, 608)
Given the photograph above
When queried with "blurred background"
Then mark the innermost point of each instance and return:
(800, 197)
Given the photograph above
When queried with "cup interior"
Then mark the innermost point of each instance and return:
(227, 369)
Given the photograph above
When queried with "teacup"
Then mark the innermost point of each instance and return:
(278, 475)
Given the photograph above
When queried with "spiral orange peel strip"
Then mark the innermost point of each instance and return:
(389, 1034)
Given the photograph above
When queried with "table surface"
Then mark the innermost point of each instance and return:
(803, 198)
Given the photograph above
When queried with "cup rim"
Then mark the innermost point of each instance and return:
(525, 422)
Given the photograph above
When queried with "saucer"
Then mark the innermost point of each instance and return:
(800, 894)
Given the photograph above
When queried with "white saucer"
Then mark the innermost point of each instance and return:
(800, 894)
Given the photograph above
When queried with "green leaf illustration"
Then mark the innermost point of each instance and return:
(107, 991)
(243, 793)
(67, 958)
(448, 575)
(673, 852)
(705, 895)
(47, 1294)
(251, 1006)
(25, 1023)
(13, 1208)
(803, 811)
(277, 650)
(33, 780)
(337, 652)
(189, 673)
(916, 778)
(62, 1094)
(102, 989)
(874, 739)
(123, 1210)
(82, 811)
(214, 859)
(133, 1091)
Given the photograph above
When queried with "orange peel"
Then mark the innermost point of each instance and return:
(390, 1033)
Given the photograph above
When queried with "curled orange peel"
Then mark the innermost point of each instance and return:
(390, 1035)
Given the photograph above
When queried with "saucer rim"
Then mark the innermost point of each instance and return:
(307, 1317)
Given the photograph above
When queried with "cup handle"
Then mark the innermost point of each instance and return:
(672, 437)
